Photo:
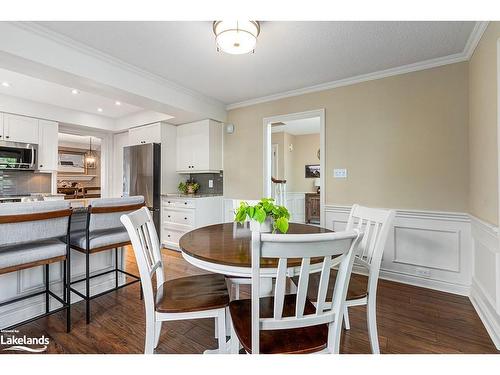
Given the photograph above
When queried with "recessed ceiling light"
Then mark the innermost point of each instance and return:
(118, 103)
(75, 91)
(5, 84)
(99, 109)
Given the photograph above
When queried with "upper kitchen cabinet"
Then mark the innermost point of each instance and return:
(19, 129)
(145, 134)
(199, 147)
(47, 147)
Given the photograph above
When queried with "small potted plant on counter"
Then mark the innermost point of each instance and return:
(189, 187)
(265, 216)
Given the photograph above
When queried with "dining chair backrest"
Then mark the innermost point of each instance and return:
(376, 225)
(141, 230)
(105, 213)
(326, 248)
(33, 221)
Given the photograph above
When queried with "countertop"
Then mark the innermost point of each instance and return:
(178, 195)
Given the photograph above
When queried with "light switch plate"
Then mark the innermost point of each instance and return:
(210, 184)
(340, 173)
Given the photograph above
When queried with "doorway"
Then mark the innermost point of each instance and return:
(294, 156)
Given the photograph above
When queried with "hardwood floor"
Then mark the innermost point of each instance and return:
(410, 320)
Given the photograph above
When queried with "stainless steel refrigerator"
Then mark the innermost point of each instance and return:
(142, 176)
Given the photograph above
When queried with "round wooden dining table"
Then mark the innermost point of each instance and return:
(225, 249)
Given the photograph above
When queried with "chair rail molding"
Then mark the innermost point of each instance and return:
(485, 288)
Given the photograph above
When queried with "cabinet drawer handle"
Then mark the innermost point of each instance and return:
(41, 165)
(168, 215)
(168, 202)
(168, 235)
(7, 137)
(185, 202)
(185, 218)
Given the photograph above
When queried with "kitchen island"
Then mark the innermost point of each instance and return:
(16, 284)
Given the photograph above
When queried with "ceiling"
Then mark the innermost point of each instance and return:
(299, 127)
(42, 91)
(288, 56)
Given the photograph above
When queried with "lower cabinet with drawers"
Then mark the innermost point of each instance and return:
(179, 215)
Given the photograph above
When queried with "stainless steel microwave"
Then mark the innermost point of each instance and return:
(18, 156)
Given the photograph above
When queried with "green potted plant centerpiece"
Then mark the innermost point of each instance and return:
(265, 216)
(188, 187)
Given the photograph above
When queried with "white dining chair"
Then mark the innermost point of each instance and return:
(192, 297)
(376, 224)
(290, 323)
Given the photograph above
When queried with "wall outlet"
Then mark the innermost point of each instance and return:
(423, 272)
(210, 184)
(340, 173)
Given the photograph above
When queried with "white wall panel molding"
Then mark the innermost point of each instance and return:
(430, 249)
(485, 289)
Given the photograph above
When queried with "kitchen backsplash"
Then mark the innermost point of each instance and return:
(202, 179)
(24, 183)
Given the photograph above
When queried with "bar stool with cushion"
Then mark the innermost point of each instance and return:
(192, 297)
(30, 237)
(103, 232)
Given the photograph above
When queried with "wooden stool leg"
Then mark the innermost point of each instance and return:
(116, 267)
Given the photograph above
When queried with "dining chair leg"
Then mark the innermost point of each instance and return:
(150, 335)
(371, 318)
(235, 343)
(64, 282)
(221, 325)
(68, 290)
(347, 325)
(334, 335)
(47, 286)
(157, 332)
(236, 291)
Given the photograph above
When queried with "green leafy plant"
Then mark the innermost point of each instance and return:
(261, 211)
(188, 187)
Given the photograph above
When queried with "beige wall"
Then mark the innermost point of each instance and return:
(305, 150)
(403, 140)
(483, 127)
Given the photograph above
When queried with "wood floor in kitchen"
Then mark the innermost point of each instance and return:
(410, 320)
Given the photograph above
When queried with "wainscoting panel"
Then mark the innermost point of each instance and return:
(428, 249)
(485, 289)
(295, 202)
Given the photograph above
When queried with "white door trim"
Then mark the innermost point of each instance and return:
(266, 132)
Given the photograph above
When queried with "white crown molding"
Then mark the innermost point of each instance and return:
(82, 48)
(474, 38)
(465, 55)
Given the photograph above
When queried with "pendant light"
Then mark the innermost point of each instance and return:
(90, 159)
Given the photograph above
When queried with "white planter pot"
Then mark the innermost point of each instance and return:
(265, 227)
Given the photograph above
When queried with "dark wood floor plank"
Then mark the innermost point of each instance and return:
(410, 320)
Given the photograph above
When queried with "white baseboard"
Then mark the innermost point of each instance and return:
(486, 312)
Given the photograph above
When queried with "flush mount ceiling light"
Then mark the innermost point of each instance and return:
(236, 37)
(5, 84)
(75, 92)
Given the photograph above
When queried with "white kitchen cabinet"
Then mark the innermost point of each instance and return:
(145, 134)
(47, 145)
(1, 126)
(181, 215)
(19, 129)
(199, 147)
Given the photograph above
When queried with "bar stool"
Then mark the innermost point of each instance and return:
(31, 237)
(104, 231)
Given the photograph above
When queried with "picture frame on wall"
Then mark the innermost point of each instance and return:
(312, 171)
(71, 162)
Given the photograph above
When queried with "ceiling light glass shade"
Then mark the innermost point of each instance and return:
(236, 37)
